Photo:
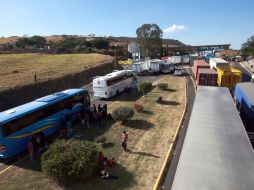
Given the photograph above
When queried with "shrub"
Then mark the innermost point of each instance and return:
(66, 160)
(122, 113)
(138, 107)
(162, 86)
(145, 87)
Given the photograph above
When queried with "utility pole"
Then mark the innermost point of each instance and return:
(115, 55)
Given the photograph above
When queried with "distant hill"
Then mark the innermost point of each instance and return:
(10, 39)
(120, 41)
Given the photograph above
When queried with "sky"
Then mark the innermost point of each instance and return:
(193, 22)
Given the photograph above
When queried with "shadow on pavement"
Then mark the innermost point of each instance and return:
(171, 103)
(169, 90)
(108, 145)
(124, 180)
(147, 112)
(138, 124)
(143, 153)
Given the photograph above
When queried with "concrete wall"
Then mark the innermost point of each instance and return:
(20, 95)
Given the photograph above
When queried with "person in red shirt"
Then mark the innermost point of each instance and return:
(101, 158)
(111, 162)
(124, 140)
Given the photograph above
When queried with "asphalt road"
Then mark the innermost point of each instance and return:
(171, 169)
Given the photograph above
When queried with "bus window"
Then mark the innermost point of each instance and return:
(22, 122)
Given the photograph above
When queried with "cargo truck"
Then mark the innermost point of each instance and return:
(215, 62)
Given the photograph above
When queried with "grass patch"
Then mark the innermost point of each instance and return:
(150, 135)
(19, 69)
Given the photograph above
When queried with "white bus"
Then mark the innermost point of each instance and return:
(112, 83)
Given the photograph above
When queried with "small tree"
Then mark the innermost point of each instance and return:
(69, 159)
(144, 87)
(122, 113)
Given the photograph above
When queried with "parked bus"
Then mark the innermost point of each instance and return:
(112, 83)
(43, 116)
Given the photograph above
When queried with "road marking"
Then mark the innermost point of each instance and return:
(1, 172)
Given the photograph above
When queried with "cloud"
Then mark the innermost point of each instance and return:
(175, 28)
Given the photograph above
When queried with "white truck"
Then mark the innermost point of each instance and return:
(155, 65)
(139, 67)
(176, 59)
(214, 62)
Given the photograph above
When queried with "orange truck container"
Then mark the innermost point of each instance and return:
(228, 76)
(199, 64)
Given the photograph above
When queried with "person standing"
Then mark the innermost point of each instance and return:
(31, 150)
(69, 128)
(124, 140)
(99, 108)
(99, 119)
(83, 121)
(105, 110)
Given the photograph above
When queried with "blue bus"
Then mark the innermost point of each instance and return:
(43, 116)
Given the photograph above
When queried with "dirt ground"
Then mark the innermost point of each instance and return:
(19, 69)
(150, 135)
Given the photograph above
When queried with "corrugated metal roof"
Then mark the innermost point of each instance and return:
(210, 71)
(200, 62)
(219, 60)
(227, 69)
(216, 153)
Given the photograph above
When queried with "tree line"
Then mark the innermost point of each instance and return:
(248, 47)
(68, 45)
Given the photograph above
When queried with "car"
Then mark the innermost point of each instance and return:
(178, 71)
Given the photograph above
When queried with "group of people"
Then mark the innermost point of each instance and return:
(99, 114)
(103, 163)
(91, 114)
(38, 144)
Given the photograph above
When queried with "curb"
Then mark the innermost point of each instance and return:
(170, 150)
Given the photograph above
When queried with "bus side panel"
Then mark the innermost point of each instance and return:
(18, 142)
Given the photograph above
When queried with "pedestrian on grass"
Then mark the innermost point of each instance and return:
(124, 140)
(104, 110)
(69, 128)
(87, 118)
(99, 119)
(31, 149)
(83, 121)
(99, 108)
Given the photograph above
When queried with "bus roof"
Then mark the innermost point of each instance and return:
(216, 153)
(113, 74)
(36, 104)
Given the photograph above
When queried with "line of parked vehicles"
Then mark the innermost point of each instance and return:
(164, 65)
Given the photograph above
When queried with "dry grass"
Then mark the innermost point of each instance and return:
(19, 69)
(150, 135)
(8, 39)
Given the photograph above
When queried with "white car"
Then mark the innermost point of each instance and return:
(178, 71)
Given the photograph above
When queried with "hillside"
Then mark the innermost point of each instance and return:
(19, 69)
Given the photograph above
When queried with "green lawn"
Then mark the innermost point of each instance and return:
(150, 135)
